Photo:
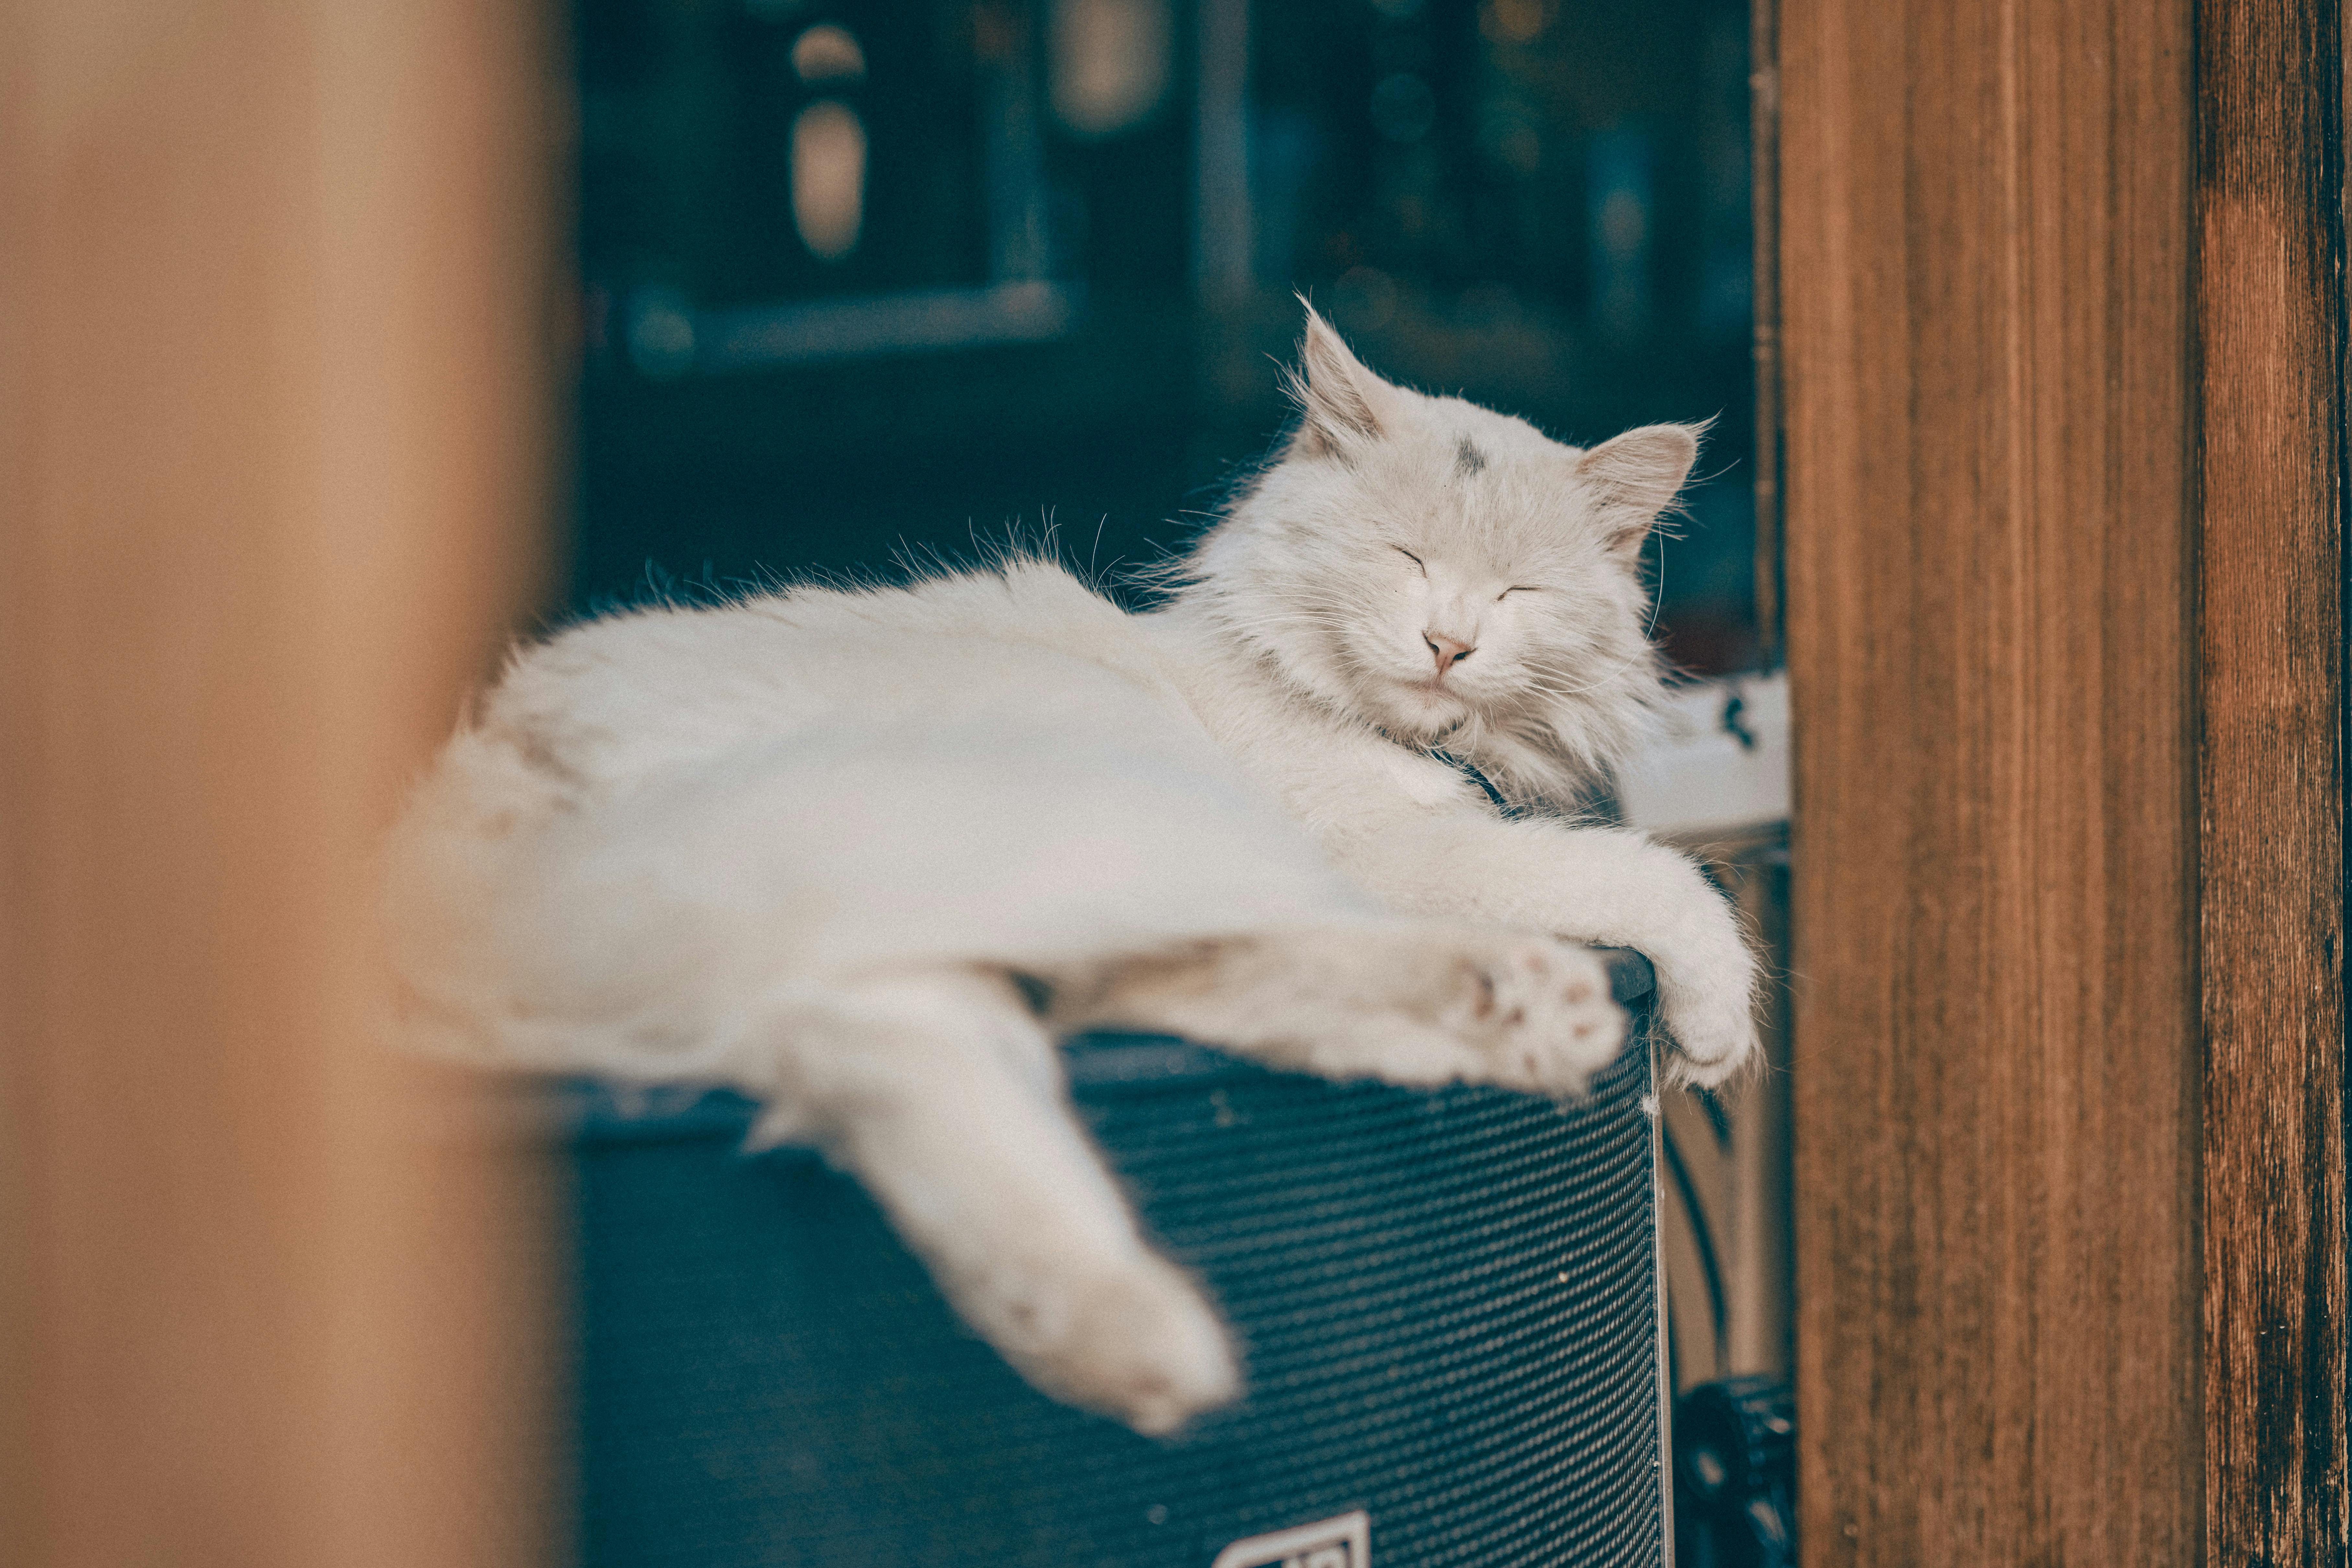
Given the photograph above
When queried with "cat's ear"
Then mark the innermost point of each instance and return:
(1634, 477)
(1340, 402)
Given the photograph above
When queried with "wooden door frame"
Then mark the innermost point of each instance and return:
(2272, 483)
(2063, 302)
(276, 411)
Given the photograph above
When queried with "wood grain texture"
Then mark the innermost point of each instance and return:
(273, 405)
(2271, 341)
(1986, 211)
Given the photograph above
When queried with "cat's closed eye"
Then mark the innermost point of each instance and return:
(1408, 555)
(1517, 588)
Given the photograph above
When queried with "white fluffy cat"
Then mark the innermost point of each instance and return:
(809, 844)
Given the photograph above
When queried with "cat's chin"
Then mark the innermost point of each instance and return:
(1425, 712)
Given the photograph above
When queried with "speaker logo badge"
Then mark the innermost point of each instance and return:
(1342, 1542)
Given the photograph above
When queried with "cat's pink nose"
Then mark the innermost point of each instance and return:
(1448, 651)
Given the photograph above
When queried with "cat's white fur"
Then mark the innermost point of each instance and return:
(810, 844)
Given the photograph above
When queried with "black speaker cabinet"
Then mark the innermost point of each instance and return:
(1448, 1301)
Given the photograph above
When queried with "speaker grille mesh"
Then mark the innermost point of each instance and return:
(1448, 1301)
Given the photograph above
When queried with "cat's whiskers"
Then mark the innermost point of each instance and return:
(1610, 678)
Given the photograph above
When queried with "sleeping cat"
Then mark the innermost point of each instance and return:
(864, 855)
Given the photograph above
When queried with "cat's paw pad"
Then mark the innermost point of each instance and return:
(1540, 1013)
(1137, 1342)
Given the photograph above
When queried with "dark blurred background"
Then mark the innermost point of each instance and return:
(872, 277)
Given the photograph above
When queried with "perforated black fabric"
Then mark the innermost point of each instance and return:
(1447, 1300)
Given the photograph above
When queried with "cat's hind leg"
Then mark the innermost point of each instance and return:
(1415, 1003)
(941, 1093)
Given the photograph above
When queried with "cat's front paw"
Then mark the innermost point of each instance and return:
(1538, 1011)
(1707, 1000)
(1707, 973)
(1713, 1034)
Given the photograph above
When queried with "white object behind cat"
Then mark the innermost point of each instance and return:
(1718, 764)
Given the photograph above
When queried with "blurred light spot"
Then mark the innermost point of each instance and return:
(829, 178)
(1618, 186)
(1110, 63)
(906, 321)
(1513, 21)
(1624, 224)
(660, 334)
(828, 52)
(994, 36)
(1510, 130)
(1403, 108)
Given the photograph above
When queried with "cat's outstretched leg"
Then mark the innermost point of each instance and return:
(1419, 1002)
(1600, 885)
(939, 1091)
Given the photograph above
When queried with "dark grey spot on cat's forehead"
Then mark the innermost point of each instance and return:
(1467, 458)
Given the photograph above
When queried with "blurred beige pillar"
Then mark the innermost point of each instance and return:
(273, 433)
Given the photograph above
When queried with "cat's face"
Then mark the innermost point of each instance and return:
(1449, 574)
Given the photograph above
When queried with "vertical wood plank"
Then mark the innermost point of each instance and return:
(1985, 210)
(2271, 339)
(273, 385)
